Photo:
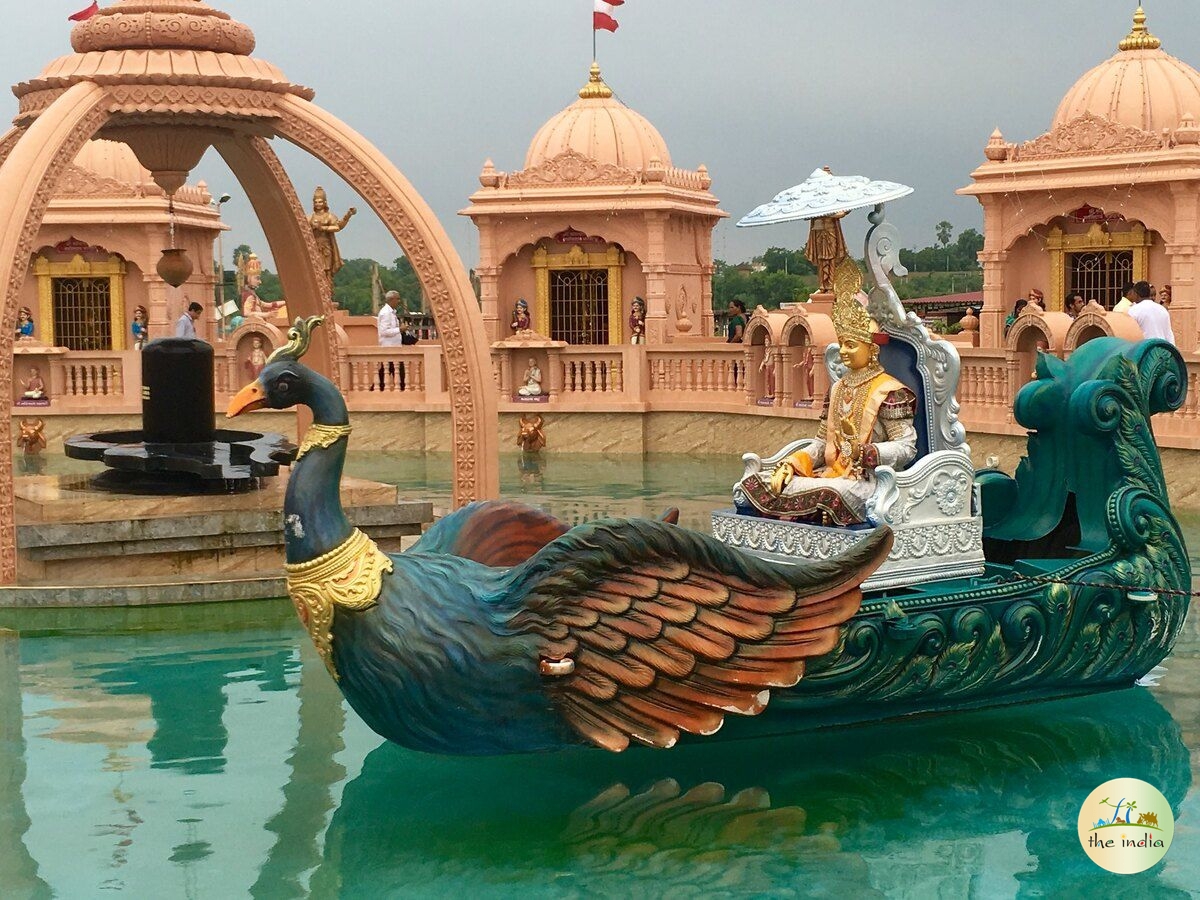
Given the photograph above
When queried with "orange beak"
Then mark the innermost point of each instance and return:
(248, 398)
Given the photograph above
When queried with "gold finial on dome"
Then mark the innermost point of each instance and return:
(850, 320)
(595, 89)
(1140, 37)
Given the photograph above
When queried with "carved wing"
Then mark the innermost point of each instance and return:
(494, 532)
(667, 630)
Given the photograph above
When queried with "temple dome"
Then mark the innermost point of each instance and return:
(602, 128)
(112, 159)
(1141, 86)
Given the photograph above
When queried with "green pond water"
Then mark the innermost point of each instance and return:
(205, 752)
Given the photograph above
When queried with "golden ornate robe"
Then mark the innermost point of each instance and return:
(882, 410)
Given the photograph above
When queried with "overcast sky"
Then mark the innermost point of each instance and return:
(761, 91)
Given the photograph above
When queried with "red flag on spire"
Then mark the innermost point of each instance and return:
(602, 15)
(85, 13)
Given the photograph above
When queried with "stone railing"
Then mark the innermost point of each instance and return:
(97, 380)
(702, 376)
(985, 390)
(1182, 427)
(592, 370)
(702, 373)
(391, 376)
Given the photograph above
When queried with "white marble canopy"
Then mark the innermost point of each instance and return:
(824, 194)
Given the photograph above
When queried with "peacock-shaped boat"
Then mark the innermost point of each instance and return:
(504, 630)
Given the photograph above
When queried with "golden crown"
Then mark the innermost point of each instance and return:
(850, 320)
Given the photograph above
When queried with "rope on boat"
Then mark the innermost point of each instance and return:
(1045, 579)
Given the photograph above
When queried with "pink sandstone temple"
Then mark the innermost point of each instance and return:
(598, 227)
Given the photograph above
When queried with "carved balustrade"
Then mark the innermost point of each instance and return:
(614, 377)
(592, 370)
(390, 376)
(96, 380)
(706, 373)
(985, 390)
(1182, 427)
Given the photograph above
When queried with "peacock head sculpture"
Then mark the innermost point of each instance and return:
(284, 382)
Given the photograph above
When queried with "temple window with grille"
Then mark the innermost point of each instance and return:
(82, 313)
(579, 306)
(1100, 275)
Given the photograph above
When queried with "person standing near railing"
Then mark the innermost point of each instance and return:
(735, 331)
(387, 326)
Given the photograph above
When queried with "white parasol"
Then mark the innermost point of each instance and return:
(824, 194)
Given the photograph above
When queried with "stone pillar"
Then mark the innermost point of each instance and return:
(554, 363)
(785, 377)
(654, 266)
(488, 271)
(994, 312)
(1182, 255)
(707, 319)
(157, 307)
(777, 364)
(993, 258)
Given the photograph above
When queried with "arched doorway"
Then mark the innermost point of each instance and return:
(155, 78)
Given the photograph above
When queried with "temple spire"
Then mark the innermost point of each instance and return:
(1140, 37)
(595, 89)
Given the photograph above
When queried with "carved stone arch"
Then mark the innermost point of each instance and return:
(1095, 322)
(474, 408)
(1154, 212)
(273, 197)
(797, 331)
(1090, 324)
(33, 160)
(8, 142)
(252, 325)
(758, 329)
(1028, 329)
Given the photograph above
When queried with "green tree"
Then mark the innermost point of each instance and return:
(239, 251)
(790, 262)
(944, 230)
(352, 284)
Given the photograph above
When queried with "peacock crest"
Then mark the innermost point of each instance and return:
(299, 339)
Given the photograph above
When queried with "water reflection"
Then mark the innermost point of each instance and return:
(531, 470)
(204, 752)
(916, 807)
(18, 870)
(282, 795)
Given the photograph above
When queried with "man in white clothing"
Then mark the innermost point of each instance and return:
(387, 326)
(1153, 317)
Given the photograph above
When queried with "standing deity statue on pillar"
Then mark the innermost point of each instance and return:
(826, 248)
(325, 225)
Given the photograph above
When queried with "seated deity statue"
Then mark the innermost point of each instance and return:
(35, 387)
(868, 422)
(533, 381)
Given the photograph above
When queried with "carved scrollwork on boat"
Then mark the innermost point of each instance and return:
(950, 491)
(1082, 627)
